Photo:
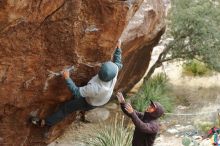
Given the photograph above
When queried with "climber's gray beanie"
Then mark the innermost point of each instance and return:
(107, 71)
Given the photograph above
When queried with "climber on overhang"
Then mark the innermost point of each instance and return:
(96, 93)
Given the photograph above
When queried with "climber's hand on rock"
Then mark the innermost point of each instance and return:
(66, 74)
(118, 44)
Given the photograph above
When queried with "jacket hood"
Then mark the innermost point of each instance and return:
(107, 71)
(158, 112)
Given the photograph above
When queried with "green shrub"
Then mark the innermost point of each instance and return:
(204, 126)
(156, 89)
(186, 141)
(112, 134)
(189, 141)
(195, 68)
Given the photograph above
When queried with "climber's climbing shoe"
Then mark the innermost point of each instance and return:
(37, 121)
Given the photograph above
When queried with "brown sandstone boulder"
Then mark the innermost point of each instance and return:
(41, 35)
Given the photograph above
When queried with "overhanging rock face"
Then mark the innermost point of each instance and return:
(142, 33)
(41, 36)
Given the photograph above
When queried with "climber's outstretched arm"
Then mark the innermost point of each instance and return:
(71, 85)
(117, 55)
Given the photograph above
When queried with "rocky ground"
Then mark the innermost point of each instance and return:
(197, 101)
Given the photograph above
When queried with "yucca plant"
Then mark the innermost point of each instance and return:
(155, 89)
(113, 134)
